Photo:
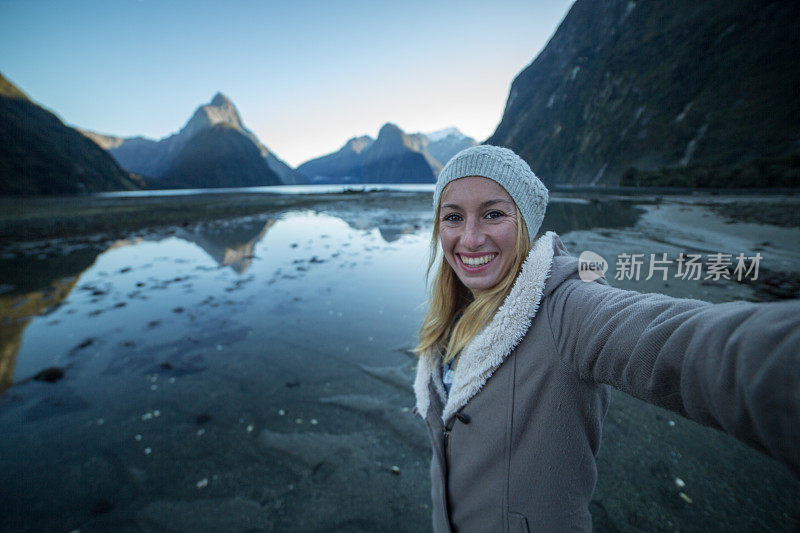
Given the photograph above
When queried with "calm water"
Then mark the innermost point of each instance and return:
(188, 358)
(234, 375)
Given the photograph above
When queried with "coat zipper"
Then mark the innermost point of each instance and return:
(444, 469)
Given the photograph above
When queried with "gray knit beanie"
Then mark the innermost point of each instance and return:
(506, 168)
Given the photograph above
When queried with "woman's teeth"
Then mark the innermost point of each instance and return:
(477, 261)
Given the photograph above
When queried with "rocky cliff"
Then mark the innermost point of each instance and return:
(637, 86)
(40, 155)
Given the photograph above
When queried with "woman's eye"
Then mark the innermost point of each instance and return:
(452, 217)
(494, 214)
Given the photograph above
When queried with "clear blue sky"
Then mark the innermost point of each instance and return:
(305, 76)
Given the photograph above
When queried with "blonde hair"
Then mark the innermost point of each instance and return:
(440, 332)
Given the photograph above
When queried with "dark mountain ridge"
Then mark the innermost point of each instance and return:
(394, 157)
(41, 155)
(342, 166)
(219, 156)
(160, 161)
(625, 87)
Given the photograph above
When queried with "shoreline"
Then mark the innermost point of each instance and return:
(34, 218)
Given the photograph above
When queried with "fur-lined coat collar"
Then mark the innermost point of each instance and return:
(489, 348)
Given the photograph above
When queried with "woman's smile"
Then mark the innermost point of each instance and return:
(474, 262)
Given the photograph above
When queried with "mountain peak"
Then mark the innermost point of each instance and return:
(438, 135)
(391, 134)
(220, 100)
(389, 128)
(219, 111)
(444, 144)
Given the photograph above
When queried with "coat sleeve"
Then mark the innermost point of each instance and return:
(734, 366)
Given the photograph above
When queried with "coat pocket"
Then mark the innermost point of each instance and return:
(517, 523)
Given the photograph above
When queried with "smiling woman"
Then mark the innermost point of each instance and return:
(517, 353)
(479, 237)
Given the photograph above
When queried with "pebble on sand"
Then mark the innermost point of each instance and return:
(679, 482)
(202, 483)
(395, 469)
(281, 412)
(148, 451)
(685, 497)
(50, 375)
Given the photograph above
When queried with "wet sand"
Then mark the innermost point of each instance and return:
(30, 218)
(259, 378)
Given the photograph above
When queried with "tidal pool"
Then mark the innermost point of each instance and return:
(246, 374)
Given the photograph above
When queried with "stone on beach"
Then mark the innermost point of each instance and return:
(50, 375)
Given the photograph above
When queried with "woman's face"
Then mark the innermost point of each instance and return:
(478, 231)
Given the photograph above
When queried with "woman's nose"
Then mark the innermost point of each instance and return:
(473, 235)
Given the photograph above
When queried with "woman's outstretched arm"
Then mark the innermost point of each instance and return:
(734, 366)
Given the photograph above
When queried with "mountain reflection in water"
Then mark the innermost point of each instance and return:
(230, 244)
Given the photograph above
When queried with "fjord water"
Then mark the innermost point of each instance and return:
(184, 353)
(235, 374)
